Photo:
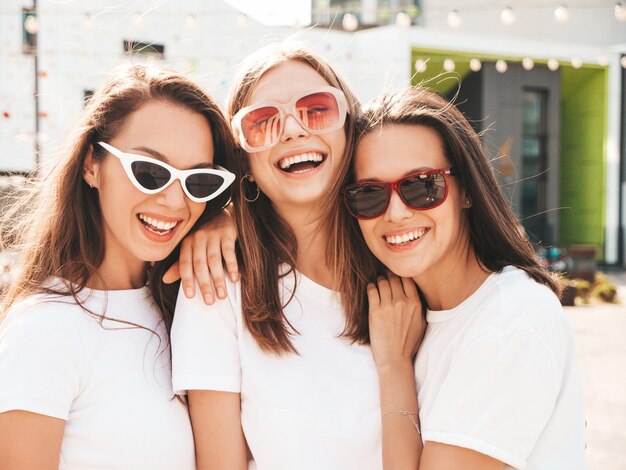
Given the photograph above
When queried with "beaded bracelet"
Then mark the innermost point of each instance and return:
(410, 415)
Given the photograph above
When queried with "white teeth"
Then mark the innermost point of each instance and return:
(314, 157)
(157, 224)
(405, 237)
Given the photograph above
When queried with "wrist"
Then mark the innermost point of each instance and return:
(394, 367)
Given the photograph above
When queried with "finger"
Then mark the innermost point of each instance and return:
(384, 290)
(172, 274)
(186, 269)
(395, 285)
(230, 259)
(410, 288)
(214, 256)
(203, 274)
(373, 299)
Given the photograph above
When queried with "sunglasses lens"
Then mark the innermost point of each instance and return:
(203, 185)
(318, 111)
(424, 191)
(367, 201)
(150, 175)
(261, 126)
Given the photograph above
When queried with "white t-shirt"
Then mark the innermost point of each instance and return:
(316, 410)
(498, 374)
(110, 382)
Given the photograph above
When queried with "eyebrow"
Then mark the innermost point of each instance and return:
(410, 172)
(159, 156)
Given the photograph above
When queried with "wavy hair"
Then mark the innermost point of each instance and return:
(55, 224)
(495, 233)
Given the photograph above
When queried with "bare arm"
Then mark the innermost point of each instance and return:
(396, 330)
(201, 254)
(30, 441)
(437, 456)
(217, 431)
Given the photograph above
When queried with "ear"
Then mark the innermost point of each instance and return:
(91, 169)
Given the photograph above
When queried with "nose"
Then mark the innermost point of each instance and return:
(292, 129)
(173, 196)
(397, 210)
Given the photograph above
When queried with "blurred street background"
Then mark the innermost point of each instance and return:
(543, 81)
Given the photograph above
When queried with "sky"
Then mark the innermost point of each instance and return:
(276, 12)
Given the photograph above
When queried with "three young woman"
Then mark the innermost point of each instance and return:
(84, 349)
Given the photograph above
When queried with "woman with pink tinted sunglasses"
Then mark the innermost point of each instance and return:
(278, 372)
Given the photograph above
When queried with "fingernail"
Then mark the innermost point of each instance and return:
(208, 299)
(220, 292)
(233, 277)
(188, 292)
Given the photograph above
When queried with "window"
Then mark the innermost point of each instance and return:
(148, 50)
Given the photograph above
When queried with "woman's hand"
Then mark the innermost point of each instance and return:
(396, 322)
(201, 255)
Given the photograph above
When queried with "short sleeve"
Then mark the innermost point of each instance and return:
(496, 397)
(41, 360)
(205, 346)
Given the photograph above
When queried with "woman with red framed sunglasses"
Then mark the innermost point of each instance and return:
(496, 377)
(84, 338)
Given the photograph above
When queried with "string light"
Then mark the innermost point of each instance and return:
(501, 66)
(449, 65)
(420, 66)
(620, 11)
(403, 19)
(475, 65)
(507, 16)
(454, 19)
(577, 62)
(553, 64)
(349, 22)
(528, 63)
(603, 60)
(190, 23)
(561, 14)
(622, 61)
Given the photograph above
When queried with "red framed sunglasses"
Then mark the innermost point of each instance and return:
(420, 191)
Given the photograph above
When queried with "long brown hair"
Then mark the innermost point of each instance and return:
(266, 241)
(495, 233)
(56, 223)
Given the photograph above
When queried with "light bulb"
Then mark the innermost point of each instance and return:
(475, 65)
(577, 62)
(501, 66)
(528, 63)
(420, 66)
(190, 23)
(349, 22)
(449, 65)
(454, 19)
(31, 25)
(507, 16)
(403, 20)
(561, 14)
(553, 64)
(620, 11)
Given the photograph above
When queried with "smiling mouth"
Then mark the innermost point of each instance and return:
(301, 163)
(156, 226)
(405, 238)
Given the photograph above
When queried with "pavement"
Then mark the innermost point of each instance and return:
(600, 331)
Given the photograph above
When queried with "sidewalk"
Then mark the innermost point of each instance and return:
(600, 332)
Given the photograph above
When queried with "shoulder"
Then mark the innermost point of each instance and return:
(48, 313)
(513, 300)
